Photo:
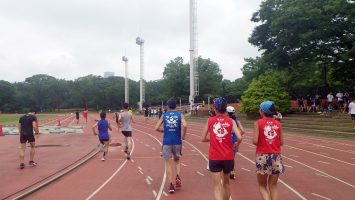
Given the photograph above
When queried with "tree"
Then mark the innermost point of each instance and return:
(176, 75)
(294, 32)
(266, 87)
(7, 96)
(210, 78)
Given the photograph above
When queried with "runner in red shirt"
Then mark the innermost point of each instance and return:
(85, 115)
(221, 153)
(268, 139)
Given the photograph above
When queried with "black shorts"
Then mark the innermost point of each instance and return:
(353, 116)
(24, 138)
(127, 133)
(103, 141)
(218, 165)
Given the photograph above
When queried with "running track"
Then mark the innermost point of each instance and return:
(316, 168)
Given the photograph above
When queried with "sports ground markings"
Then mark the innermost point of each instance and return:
(323, 162)
(248, 170)
(322, 175)
(288, 166)
(111, 177)
(199, 173)
(334, 149)
(320, 196)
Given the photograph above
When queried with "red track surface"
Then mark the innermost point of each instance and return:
(317, 168)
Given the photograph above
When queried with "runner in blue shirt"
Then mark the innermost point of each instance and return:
(236, 143)
(103, 126)
(173, 123)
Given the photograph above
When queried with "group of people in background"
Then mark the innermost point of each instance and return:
(313, 103)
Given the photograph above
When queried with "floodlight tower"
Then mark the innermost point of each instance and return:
(126, 87)
(140, 42)
(194, 82)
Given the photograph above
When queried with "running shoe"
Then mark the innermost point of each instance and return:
(22, 165)
(171, 188)
(178, 182)
(232, 175)
(103, 158)
(32, 163)
(101, 147)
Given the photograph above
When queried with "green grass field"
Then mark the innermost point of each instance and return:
(13, 119)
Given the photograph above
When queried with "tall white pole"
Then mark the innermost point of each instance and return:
(126, 87)
(194, 89)
(140, 42)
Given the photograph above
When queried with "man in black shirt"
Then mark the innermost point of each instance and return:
(27, 124)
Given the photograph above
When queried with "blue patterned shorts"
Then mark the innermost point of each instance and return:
(268, 164)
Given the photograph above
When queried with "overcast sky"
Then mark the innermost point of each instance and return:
(68, 39)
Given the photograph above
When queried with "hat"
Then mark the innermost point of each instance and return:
(267, 107)
(171, 103)
(220, 104)
(230, 109)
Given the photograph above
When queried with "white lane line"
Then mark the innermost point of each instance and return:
(320, 196)
(248, 170)
(165, 194)
(193, 150)
(150, 178)
(288, 166)
(352, 158)
(164, 177)
(153, 148)
(322, 175)
(183, 164)
(320, 155)
(111, 177)
(154, 193)
(132, 160)
(281, 181)
(148, 181)
(324, 153)
(139, 167)
(200, 173)
(323, 162)
(141, 142)
(293, 156)
(346, 183)
(147, 145)
(140, 172)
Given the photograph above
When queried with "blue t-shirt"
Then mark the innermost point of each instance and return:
(102, 126)
(234, 136)
(172, 128)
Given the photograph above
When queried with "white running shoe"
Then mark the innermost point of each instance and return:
(103, 158)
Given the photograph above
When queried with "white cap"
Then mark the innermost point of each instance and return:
(230, 109)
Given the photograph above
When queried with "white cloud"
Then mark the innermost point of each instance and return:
(69, 39)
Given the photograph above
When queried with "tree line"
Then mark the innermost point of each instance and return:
(47, 93)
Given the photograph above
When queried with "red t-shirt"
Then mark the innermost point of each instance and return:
(269, 136)
(220, 129)
(85, 114)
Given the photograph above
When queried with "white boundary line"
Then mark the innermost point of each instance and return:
(111, 177)
(320, 196)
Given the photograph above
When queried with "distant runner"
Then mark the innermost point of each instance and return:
(126, 120)
(103, 126)
(236, 143)
(77, 115)
(27, 124)
(352, 111)
(173, 123)
(85, 115)
(268, 139)
(221, 154)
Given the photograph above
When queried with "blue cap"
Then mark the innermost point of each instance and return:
(265, 107)
(171, 103)
(220, 104)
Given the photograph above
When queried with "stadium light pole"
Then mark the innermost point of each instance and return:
(194, 80)
(126, 87)
(140, 42)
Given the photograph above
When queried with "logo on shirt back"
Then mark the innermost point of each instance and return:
(171, 121)
(219, 129)
(270, 131)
